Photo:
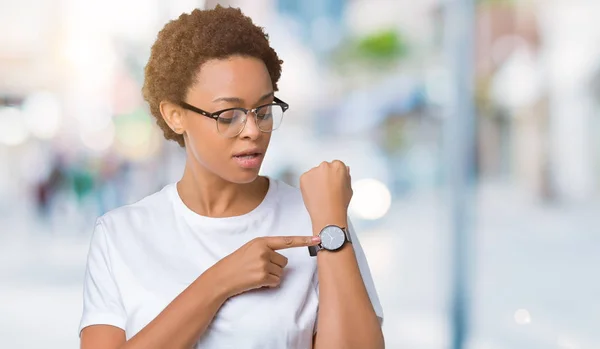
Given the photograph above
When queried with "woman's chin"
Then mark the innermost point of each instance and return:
(245, 176)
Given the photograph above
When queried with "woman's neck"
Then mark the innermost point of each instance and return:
(212, 196)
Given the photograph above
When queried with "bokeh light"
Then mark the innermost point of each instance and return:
(13, 130)
(371, 199)
(98, 140)
(42, 113)
(522, 317)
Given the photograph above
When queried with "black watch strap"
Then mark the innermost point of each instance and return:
(348, 236)
(312, 250)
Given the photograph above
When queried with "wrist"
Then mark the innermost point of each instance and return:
(318, 223)
(220, 288)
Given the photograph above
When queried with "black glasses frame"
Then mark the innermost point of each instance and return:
(276, 101)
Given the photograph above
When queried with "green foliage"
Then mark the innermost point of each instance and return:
(384, 45)
(375, 51)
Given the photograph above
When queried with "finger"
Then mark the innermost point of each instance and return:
(272, 281)
(338, 164)
(274, 269)
(283, 242)
(278, 259)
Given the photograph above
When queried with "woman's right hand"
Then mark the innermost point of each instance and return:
(256, 264)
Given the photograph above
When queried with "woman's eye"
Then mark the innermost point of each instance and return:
(264, 116)
(228, 117)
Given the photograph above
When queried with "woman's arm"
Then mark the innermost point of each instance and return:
(179, 325)
(346, 317)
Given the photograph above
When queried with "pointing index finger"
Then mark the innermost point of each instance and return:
(283, 242)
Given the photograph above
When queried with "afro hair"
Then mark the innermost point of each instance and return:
(185, 43)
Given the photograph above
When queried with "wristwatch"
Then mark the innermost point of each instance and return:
(332, 237)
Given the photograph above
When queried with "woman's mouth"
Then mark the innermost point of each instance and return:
(249, 160)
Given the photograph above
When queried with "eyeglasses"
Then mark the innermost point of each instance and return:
(231, 121)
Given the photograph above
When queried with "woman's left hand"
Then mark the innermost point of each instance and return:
(326, 190)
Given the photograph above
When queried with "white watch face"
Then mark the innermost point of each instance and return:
(332, 238)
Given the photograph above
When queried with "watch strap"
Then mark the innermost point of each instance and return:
(312, 250)
(347, 233)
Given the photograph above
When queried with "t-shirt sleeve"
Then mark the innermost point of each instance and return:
(101, 299)
(365, 272)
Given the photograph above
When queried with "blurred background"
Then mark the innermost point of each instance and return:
(370, 82)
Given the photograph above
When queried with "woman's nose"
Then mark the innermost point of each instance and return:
(251, 129)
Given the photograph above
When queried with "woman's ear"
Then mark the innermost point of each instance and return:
(173, 116)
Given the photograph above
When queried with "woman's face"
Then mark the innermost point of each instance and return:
(220, 84)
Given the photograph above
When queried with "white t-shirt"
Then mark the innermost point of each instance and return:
(144, 255)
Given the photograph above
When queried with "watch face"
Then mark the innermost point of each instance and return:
(332, 238)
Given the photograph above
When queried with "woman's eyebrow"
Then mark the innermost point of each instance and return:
(238, 100)
(267, 96)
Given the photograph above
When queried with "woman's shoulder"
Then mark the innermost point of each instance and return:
(287, 193)
(142, 212)
(290, 200)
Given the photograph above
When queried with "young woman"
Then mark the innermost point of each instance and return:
(219, 259)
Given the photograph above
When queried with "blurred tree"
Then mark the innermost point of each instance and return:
(378, 49)
(386, 45)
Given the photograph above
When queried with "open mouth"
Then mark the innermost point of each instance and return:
(249, 160)
(247, 156)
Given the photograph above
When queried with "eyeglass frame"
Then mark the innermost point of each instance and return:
(215, 115)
